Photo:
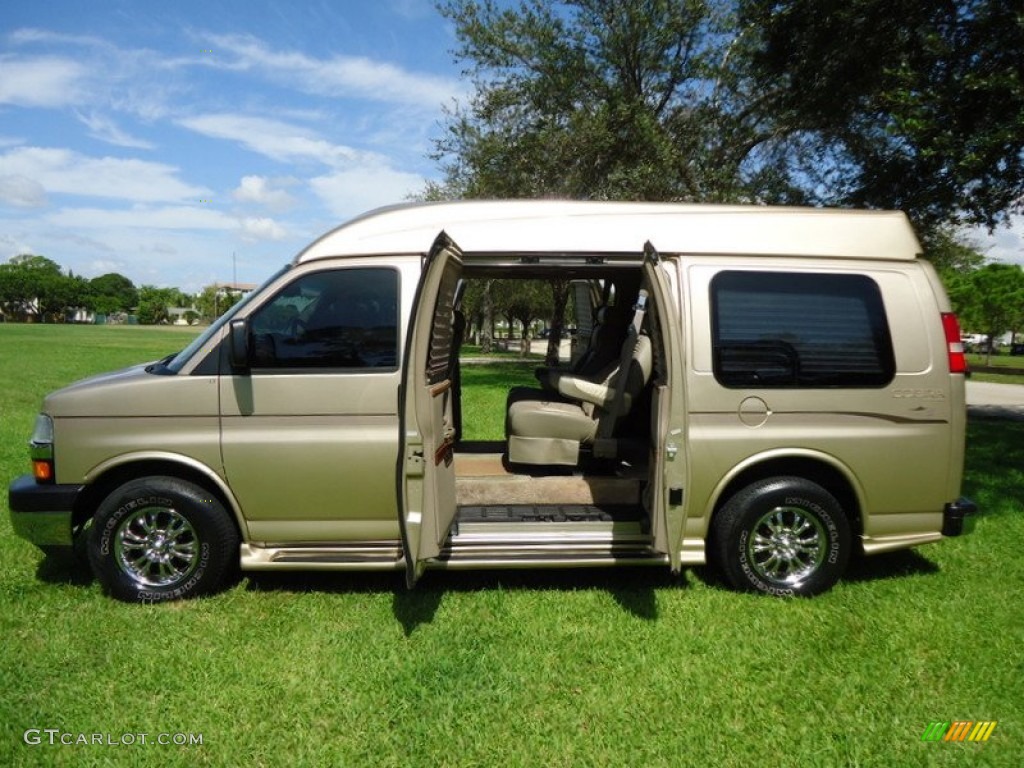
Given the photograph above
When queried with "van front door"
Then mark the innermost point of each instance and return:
(425, 474)
(307, 429)
(668, 498)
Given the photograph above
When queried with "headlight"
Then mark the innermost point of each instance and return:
(41, 449)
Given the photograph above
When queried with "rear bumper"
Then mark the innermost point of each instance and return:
(42, 513)
(959, 517)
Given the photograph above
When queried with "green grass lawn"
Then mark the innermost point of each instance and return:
(485, 386)
(570, 668)
(1000, 369)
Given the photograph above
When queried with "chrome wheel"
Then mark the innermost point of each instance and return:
(156, 547)
(786, 546)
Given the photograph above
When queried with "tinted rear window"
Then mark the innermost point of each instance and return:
(784, 329)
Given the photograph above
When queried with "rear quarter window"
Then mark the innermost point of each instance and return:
(788, 329)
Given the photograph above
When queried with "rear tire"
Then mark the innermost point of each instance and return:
(782, 536)
(161, 538)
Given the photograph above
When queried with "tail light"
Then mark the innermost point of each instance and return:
(954, 346)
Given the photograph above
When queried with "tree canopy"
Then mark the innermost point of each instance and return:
(878, 103)
(112, 293)
(35, 285)
(908, 104)
(594, 99)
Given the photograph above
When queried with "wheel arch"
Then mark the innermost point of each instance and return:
(820, 468)
(104, 478)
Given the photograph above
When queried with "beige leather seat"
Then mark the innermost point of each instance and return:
(602, 350)
(595, 364)
(549, 430)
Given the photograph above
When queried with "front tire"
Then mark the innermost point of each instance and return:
(161, 538)
(782, 536)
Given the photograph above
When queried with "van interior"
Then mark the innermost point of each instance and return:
(571, 475)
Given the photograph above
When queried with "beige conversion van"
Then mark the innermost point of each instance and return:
(764, 390)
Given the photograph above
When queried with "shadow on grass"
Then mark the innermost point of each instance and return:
(63, 565)
(889, 565)
(633, 589)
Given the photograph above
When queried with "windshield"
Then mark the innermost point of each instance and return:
(179, 360)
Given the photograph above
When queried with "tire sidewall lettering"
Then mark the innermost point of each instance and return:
(107, 534)
(216, 538)
(826, 519)
(734, 528)
(759, 584)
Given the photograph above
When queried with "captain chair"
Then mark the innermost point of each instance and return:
(583, 413)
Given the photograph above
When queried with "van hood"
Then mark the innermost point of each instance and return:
(134, 392)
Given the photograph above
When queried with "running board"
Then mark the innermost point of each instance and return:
(475, 548)
(364, 556)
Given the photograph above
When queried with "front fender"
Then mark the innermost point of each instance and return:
(166, 462)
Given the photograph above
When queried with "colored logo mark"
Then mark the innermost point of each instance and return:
(959, 730)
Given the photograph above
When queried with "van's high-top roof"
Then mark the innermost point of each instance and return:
(554, 226)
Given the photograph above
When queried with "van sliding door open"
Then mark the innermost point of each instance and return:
(425, 473)
(669, 452)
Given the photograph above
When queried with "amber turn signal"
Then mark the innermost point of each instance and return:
(42, 469)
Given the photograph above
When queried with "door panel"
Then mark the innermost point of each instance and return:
(668, 443)
(425, 474)
(310, 432)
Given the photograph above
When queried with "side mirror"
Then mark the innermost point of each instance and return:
(238, 344)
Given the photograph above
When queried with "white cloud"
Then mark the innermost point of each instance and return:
(263, 191)
(351, 76)
(138, 81)
(22, 192)
(355, 190)
(61, 170)
(254, 229)
(43, 81)
(105, 129)
(11, 246)
(99, 267)
(27, 35)
(279, 141)
(186, 217)
(412, 10)
(177, 218)
(1005, 244)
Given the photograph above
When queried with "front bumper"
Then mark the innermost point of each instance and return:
(959, 517)
(42, 513)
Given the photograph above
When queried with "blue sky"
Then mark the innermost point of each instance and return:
(156, 139)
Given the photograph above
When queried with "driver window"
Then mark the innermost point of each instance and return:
(338, 319)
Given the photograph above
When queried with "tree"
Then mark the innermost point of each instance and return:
(32, 284)
(599, 99)
(15, 296)
(559, 301)
(154, 303)
(214, 301)
(905, 104)
(990, 299)
(476, 304)
(950, 253)
(868, 103)
(113, 292)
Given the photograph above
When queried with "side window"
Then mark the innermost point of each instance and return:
(774, 329)
(337, 319)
